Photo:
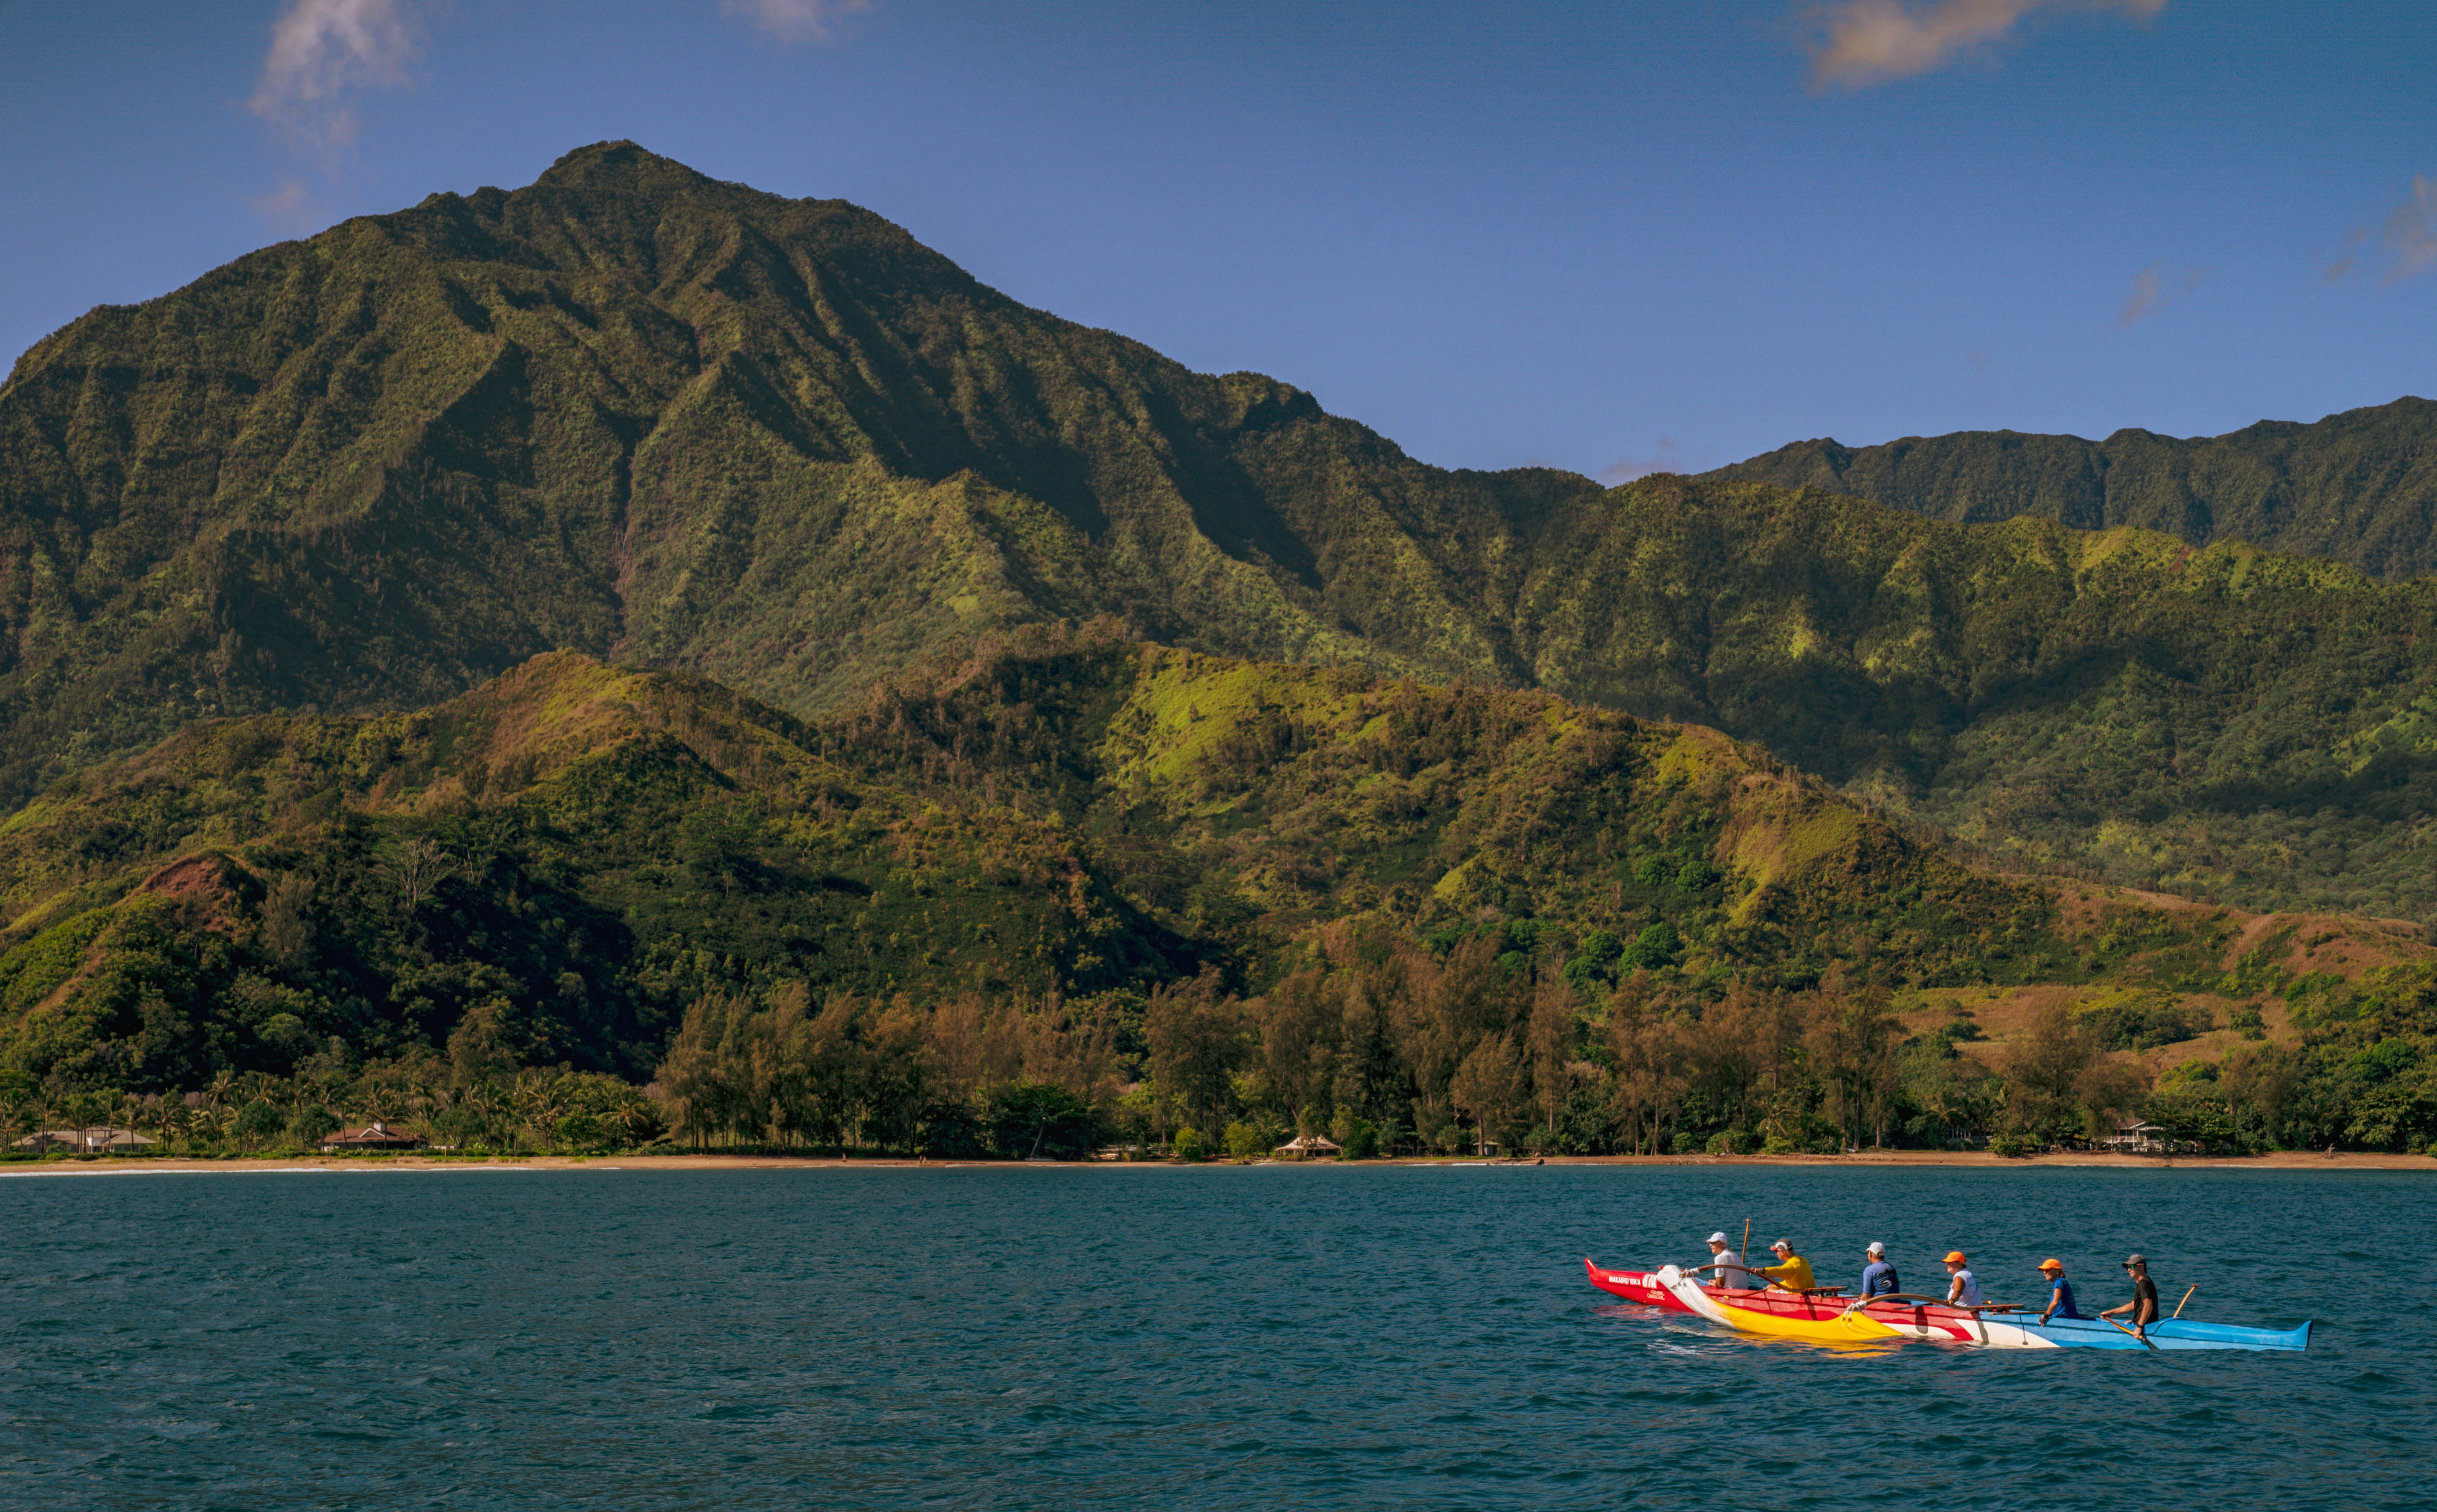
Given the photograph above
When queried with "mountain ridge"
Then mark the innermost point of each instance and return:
(635, 412)
(2358, 487)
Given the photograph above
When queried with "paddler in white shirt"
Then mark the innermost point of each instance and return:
(1727, 1264)
(1962, 1288)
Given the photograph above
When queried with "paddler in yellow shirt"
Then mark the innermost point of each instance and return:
(1791, 1272)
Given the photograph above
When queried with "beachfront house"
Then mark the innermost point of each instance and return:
(2138, 1136)
(374, 1136)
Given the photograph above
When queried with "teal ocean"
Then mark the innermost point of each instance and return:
(1154, 1337)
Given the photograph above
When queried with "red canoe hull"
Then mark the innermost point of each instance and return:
(1921, 1319)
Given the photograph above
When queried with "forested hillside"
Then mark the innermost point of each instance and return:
(2359, 487)
(635, 412)
(1068, 883)
(568, 857)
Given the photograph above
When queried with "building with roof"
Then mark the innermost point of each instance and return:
(376, 1135)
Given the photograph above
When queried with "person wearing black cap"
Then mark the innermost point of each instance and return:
(2144, 1306)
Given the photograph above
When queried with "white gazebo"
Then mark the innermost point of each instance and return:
(1309, 1147)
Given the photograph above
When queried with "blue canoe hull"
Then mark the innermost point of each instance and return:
(2174, 1333)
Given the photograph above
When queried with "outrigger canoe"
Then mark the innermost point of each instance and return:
(1827, 1315)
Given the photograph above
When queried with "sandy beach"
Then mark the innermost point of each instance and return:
(360, 1165)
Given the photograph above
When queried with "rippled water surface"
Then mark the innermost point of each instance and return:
(1153, 1337)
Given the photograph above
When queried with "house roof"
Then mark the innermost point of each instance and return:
(376, 1132)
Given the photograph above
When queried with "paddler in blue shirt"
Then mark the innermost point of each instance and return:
(1878, 1276)
(2060, 1291)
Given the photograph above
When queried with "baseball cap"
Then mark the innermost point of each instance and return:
(1719, 1238)
(1875, 1248)
(2136, 1259)
(1782, 1245)
(2052, 1264)
(1955, 1257)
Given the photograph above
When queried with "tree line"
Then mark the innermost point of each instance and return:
(1387, 1043)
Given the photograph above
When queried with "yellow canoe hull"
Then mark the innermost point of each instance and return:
(1848, 1328)
(1844, 1328)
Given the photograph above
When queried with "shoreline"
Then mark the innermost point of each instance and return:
(1961, 1160)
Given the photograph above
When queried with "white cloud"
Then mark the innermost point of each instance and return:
(794, 20)
(1869, 42)
(322, 52)
(2151, 291)
(2407, 240)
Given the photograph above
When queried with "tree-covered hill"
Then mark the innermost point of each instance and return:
(642, 414)
(579, 849)
(554, 867)
(2359, 487)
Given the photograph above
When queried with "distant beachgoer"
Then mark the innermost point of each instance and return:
(2060, 1291)
(1878, 1276)
(1792, 1270)
(2144, 1306)
(1962, 1288)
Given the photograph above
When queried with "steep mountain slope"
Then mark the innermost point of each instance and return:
(2259, 727)
(635, 412)
(2359, 487)
(632, 408)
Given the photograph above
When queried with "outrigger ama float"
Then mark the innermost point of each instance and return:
(1825, 1315)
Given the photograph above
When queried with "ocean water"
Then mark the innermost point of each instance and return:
(1154, 1337)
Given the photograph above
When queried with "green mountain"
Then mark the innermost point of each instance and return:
(644, 415)
(632, 409)
(2359, 487)
(554, 866)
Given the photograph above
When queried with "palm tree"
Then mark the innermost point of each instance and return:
(482, 1099)
(541, 1100)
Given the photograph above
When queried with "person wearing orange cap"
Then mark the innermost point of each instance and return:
(1963, 1289)
(2060, 1291)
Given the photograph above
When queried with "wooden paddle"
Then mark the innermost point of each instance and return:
(2178, 1306)
(2136, 1336)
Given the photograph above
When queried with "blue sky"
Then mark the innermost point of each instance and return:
(1605, 236)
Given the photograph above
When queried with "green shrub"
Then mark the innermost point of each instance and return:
(312, 1124)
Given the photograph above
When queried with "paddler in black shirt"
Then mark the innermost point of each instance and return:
(2144, 1306)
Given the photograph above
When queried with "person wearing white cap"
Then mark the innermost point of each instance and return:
(1727, 1263)
(1878, 1276)
(1791, 1272)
